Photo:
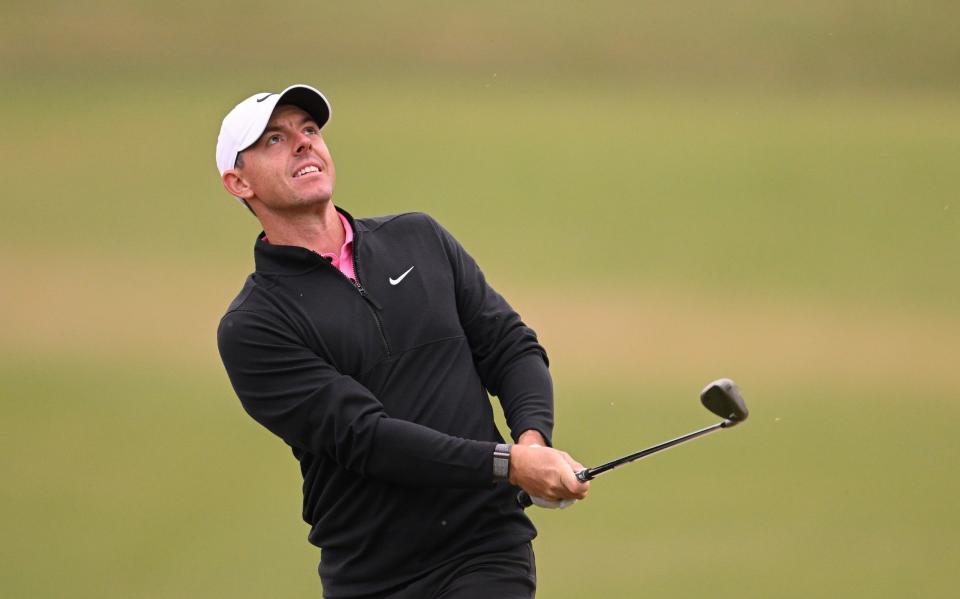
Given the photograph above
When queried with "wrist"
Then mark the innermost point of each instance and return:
(531, 437)
(519, 457)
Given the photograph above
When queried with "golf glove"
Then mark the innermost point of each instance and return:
(552, 505)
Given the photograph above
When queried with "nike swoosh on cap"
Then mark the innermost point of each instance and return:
(400, 278)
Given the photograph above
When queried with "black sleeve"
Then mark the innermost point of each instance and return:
(301, 398)
(511, 362)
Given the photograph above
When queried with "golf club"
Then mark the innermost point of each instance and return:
(722, 397)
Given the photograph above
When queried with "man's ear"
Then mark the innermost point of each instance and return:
(236, 184)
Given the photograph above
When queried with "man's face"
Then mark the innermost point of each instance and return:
(289, 167)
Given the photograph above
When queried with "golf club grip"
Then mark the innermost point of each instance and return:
(524, 500)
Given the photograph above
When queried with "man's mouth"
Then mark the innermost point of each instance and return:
(306, 171)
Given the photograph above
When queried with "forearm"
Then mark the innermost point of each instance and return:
(526, 395)
(348, 424)
(409, 454)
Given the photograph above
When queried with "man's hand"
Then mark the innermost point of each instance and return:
(545, 472)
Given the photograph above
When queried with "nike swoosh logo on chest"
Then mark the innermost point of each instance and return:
(400, 278)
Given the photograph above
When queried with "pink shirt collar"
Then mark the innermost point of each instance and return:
(344, 261)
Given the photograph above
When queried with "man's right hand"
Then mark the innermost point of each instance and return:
(546, 472)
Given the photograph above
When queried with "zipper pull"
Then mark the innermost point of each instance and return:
(365, 295)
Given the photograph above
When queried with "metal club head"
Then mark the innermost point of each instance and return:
(722, 397)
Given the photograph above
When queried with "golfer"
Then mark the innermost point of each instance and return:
(369, 346)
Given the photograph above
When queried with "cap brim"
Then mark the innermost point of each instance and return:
(309, 99)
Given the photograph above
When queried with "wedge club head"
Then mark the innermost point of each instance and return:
(722, 397)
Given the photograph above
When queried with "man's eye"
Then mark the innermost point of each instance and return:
(273, 139)
(310, 130)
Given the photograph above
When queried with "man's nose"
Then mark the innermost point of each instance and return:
(302, 143)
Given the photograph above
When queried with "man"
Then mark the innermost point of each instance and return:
(368, 346)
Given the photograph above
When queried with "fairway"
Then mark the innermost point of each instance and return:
(784, 214)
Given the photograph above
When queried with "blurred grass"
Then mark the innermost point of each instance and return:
(152, 483)
(843, 198)
(127, 485)
(669, 192)
(745, 43)
(819, 494)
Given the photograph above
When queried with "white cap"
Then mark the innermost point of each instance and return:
(245, 123)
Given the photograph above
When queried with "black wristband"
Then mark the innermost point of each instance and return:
(501, 462)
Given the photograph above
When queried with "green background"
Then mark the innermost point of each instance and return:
(669, 192)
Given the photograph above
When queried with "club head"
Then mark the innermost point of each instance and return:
(722, 397)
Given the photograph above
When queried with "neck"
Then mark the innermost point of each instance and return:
(320, 231)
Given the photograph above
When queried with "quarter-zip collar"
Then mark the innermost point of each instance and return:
(275, 259)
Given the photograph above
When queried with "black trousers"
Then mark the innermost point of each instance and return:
(510, 574)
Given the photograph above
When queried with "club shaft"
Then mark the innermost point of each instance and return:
(591, 473)
(523, 498)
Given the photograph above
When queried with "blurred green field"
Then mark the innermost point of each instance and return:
(668, 193)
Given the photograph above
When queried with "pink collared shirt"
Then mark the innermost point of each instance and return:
(344, 262)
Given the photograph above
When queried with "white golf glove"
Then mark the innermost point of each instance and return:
(550, 504)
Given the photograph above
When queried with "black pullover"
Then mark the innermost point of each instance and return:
(380, 389)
